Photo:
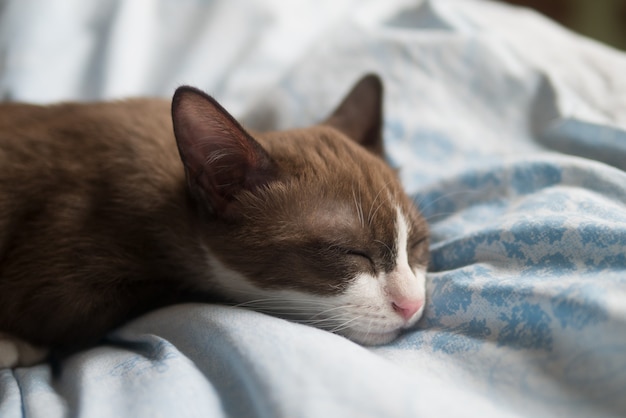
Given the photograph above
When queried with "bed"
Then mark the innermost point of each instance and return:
(510, 134)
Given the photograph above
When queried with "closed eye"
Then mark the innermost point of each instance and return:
(359, 254)
(362, 254)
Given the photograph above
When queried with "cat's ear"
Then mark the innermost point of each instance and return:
(360, 114)
(221, 159)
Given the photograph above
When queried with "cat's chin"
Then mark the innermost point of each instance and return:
(371, 338)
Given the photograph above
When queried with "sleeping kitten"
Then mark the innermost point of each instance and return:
(101, 221)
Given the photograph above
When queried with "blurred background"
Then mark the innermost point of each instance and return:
(603, 20)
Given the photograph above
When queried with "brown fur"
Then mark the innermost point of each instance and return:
(94, 217)
(101, 221)
(314, 218)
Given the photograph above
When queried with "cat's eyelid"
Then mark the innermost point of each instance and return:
(348, 250)
(363, 254)
(360, 253)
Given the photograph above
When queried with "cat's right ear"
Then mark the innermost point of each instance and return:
(220, 158)
(360, 114)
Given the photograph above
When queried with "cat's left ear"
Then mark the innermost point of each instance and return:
(220, 158)
(360, 114)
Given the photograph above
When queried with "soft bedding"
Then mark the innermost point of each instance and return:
(510, 134)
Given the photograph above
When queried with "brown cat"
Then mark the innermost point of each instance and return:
(109, 210)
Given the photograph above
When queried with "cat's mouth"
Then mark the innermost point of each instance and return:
(379, 336)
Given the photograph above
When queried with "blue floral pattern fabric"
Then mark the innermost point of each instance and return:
(509, 133)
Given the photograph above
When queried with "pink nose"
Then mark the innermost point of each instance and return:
(407, 308)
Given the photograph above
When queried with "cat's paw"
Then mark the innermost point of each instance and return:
(16, 352)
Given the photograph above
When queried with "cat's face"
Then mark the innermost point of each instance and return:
(318, 228)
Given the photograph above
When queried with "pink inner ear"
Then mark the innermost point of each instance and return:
(219, 156)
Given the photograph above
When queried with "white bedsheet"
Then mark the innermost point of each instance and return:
(510, 133)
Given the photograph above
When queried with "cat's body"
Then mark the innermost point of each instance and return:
(90, 229)
(101, 222)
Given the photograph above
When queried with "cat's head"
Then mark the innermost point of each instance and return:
(309, 224)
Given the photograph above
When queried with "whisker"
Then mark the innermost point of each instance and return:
(369, 326)
(286, 299)
(419, 202)
(275, 308)
(331, 319)
(280, 299)
(334, 309)
(359, 207)
(386, 246)
(442, 215)
(282, 307)
(370, 219)
(345, 324)
(371, 215)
